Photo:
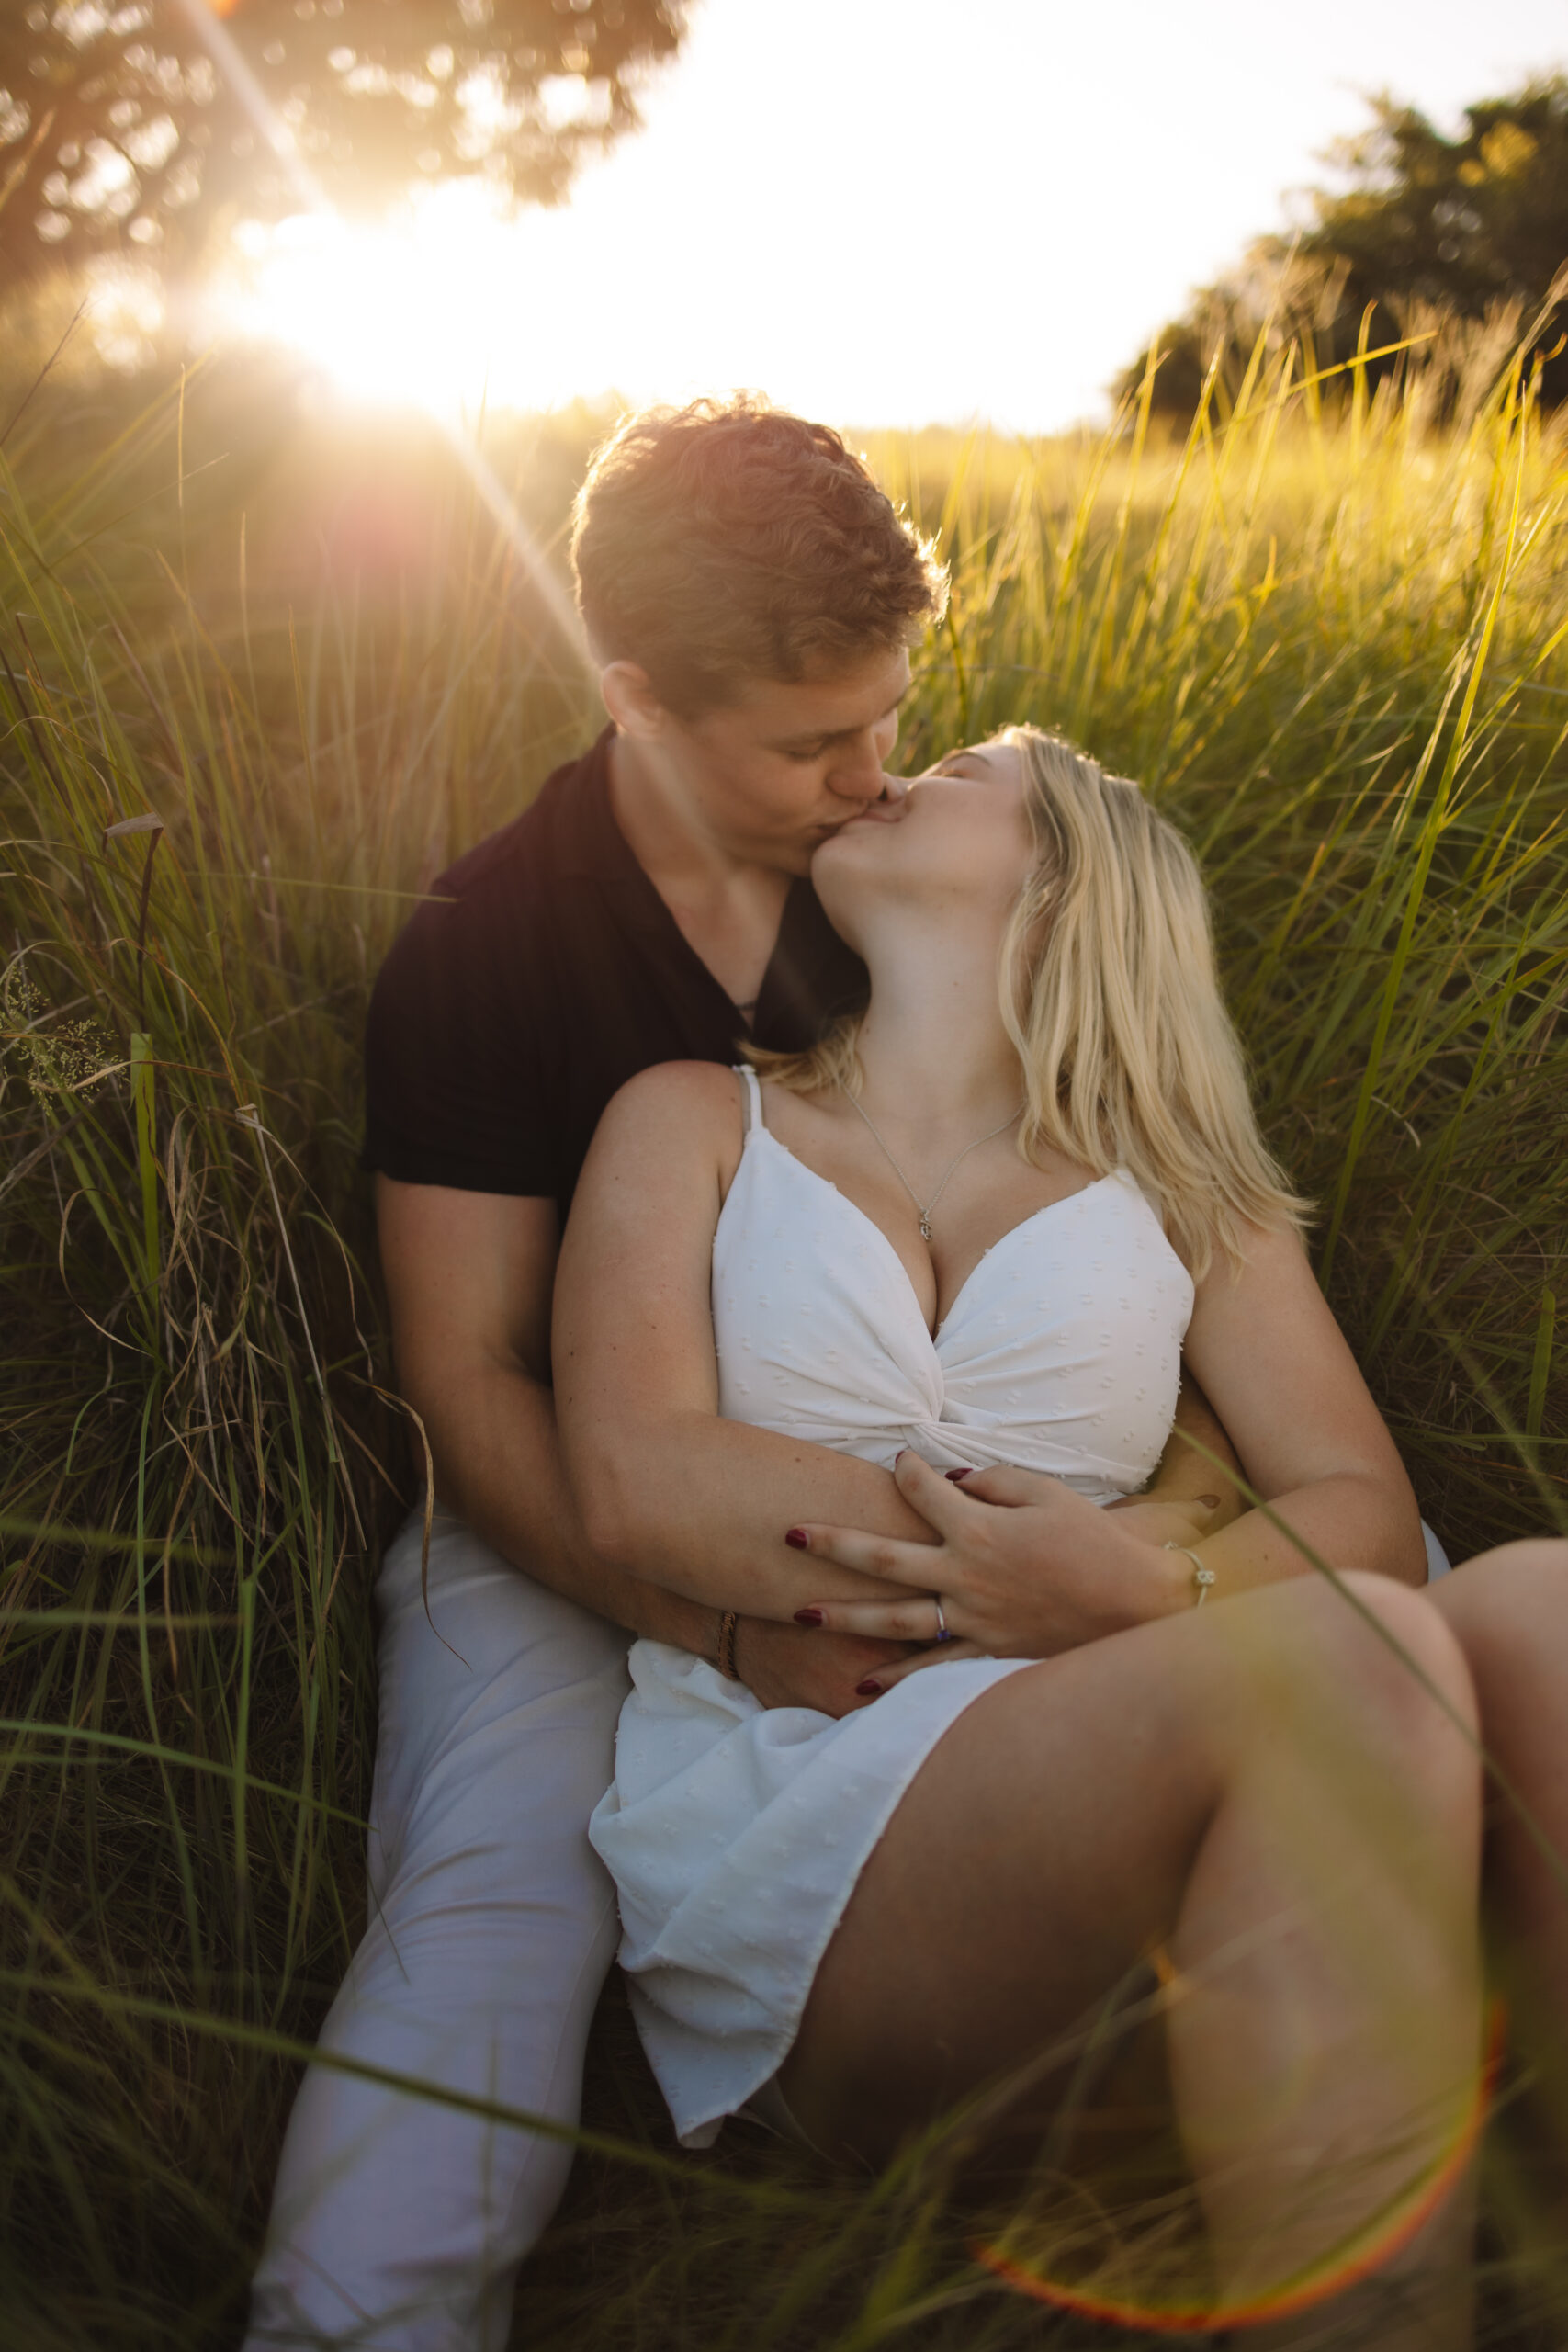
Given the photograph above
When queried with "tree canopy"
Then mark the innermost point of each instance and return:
(118, 128)
(1468, 228)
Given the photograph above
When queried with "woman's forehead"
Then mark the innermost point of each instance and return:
(982, 760)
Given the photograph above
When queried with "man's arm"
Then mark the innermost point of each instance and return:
(468, 1279)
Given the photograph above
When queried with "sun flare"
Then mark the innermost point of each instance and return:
(448, 306)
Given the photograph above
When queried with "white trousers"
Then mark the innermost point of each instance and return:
(397, 2222)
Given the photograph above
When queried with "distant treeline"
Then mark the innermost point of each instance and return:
(1461, 242)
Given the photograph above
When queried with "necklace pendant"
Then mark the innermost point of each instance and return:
(925, 1228)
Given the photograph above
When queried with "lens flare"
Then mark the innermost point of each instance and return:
(1345, 2265)
(227, 57)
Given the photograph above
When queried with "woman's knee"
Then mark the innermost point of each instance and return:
(1511, 1604)
(1532, 1574)
(1372, 1662)
(1389, 1636)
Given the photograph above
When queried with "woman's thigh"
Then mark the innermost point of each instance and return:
(1508, 1610)
(1045, 1845)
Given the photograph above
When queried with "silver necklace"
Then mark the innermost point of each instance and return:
(926, 1207)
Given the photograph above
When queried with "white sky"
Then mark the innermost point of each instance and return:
(909, 211)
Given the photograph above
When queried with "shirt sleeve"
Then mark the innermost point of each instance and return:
(459, 1090)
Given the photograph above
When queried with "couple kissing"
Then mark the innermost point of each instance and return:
(832, 1253)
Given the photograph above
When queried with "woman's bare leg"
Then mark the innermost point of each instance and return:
(1509, 1610)
(1270, 1792)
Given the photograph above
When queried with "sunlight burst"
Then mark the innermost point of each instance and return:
(448, 306)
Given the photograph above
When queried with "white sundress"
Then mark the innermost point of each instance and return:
(735, 1833)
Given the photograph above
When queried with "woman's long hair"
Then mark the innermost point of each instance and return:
(1110, 994)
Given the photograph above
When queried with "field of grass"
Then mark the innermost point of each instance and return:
(263, 670)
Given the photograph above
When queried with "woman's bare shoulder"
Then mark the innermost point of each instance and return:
(693, 1108)
(671, 1088)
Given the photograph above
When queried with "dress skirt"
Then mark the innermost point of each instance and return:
(734, 1834)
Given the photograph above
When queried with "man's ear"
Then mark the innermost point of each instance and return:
(630, 700)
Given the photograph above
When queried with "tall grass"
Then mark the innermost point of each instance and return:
(263, 676)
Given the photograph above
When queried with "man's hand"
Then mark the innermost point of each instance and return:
(1158, 1519)
(1196, 1482)
(786, 1665)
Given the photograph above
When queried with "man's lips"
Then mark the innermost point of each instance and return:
(876, 817)
(872, 813)
(876, 812)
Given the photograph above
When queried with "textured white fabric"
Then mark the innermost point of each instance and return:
(398, 2223)
(736, 1832)
(1062, 1352)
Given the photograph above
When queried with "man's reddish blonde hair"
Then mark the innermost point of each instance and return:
(729, 540)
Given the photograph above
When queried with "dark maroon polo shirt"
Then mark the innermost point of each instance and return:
(542, 972)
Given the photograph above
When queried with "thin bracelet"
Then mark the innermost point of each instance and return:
(1202, 1576)
(727, 1624)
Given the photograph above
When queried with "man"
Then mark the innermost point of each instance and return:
(751, 597)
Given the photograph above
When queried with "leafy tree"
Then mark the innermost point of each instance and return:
(1467, 227)
(1462, 222)
(118, 128)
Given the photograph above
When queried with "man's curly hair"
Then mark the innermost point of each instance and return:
(729, 540)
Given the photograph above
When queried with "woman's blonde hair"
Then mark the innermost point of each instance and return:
(1110, 994)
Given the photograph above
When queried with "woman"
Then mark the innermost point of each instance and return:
(979, 1228)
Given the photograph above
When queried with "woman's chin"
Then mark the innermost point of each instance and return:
(850, 842)
(843, 874)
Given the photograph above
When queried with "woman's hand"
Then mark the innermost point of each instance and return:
(1025, 1568)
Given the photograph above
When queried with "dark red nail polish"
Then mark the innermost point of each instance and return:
(808, 1616)
(797, 1539)
(958, 1474)
(868, 1690)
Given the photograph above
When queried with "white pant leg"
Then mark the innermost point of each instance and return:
(1438, 1561)
(398, 2223)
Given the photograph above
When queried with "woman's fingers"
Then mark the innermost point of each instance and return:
(944, 1496)
(885, 1620)
(1012, 1487)
(935, 1494)
(885, 1677)
(887, 1556)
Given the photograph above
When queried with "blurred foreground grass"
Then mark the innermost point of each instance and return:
(261, 675)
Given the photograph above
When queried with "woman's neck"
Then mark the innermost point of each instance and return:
(933, 1046)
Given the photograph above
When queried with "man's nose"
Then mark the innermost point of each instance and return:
(857, 773)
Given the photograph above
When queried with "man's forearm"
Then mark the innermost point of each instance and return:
(1350, 1520)
(703, 1504)
(498, 1466)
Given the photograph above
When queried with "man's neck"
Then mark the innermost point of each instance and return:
(667, 836)
(728, 907)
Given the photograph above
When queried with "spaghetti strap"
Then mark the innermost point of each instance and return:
(752, 1094)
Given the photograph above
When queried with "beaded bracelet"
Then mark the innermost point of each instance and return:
(1202, 1576)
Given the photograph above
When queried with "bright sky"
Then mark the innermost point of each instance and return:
(894, 212)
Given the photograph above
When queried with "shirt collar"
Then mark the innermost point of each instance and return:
(591, 841)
